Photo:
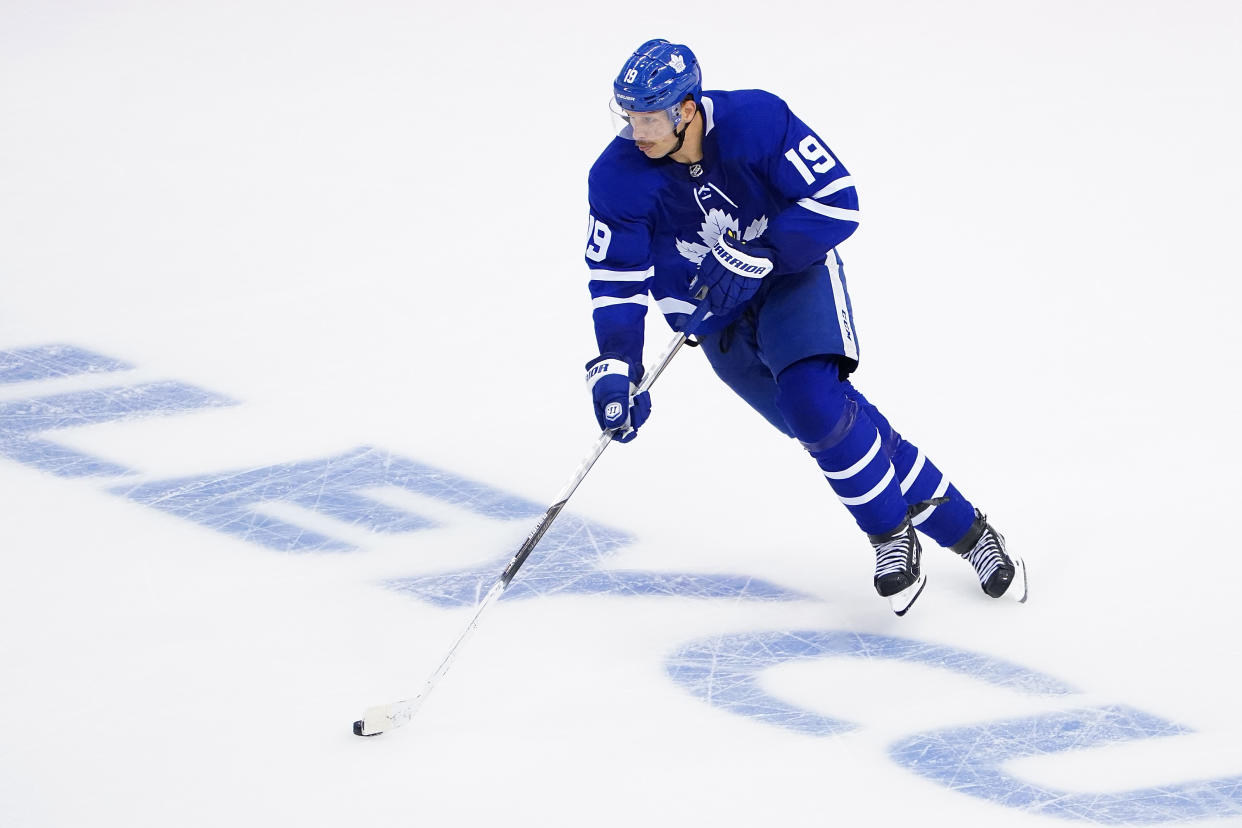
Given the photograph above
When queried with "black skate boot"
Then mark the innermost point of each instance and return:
(1000, 574)
(898, 574)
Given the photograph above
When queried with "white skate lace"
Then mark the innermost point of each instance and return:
(893, 556)
(987, 556)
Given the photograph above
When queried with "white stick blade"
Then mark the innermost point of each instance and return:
(375, 721)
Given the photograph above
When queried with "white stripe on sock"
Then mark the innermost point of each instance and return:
(871, 495)
(914, 472)
(857, 467)
(940, 490)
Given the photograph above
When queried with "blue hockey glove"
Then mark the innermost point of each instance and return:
(612, 381)
(732, 272)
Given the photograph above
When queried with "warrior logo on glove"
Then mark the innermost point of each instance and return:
(741, 264)
(732, 273)
(613, 383)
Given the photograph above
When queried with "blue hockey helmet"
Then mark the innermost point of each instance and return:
(659, 75)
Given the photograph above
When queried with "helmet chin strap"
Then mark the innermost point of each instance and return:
(681, 136)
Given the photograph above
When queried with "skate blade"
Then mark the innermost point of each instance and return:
(902, 601)
(1017, 588)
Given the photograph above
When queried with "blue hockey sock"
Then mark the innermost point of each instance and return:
(844, 442)
(920, 481)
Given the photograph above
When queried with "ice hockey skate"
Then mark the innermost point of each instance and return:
(898, 573)
(1001, 575)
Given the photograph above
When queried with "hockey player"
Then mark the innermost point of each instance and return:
(731, 191)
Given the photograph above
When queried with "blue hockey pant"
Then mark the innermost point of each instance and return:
(789, 357)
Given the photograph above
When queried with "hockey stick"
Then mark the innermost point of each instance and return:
(389, 716)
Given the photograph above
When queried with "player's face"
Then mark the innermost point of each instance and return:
(653, 132)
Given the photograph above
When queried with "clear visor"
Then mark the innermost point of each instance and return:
(646, 127)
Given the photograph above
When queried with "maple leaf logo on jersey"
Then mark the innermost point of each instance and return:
(714, 225)
(757, 228)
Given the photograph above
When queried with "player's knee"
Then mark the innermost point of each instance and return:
(812, 398)
(892, 442)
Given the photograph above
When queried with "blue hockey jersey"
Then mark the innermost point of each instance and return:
(765, 175)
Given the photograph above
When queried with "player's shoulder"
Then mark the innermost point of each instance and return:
(622, 179)
(745, 110)
(753, 117)
(740, 103)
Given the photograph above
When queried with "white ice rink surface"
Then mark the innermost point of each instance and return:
(293, 320)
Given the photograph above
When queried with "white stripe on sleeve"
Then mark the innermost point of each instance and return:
(606, 301)
(669, 305)
(842, 183)
(831, 212)
(599, 275)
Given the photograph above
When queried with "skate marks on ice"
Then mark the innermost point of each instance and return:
(727, 672)
(345, 488)
(972, 760)
(348, 491)
(23, 421)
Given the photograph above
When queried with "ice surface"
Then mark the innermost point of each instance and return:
(290, 362)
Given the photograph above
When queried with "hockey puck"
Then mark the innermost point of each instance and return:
(358, 730)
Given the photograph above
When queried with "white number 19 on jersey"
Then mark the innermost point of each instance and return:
(810, 149)
(598, 237)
